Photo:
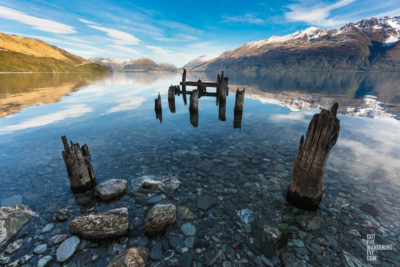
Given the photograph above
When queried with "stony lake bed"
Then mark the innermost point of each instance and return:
(227, 185)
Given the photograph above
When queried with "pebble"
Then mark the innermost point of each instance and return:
(156, 252)
(67, 248)
(188, 229)
(205, 202)
(47, 228)
(43, 262)
(298, 243)
(40, 249)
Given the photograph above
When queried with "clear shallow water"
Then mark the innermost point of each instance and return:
(247, 168)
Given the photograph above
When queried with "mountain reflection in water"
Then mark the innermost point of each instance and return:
(21, 90)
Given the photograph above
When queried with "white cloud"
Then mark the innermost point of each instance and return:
(390, 13)
(70, 112)
(131, 103)
(317, 15)
(88, 21)
(124, 49)
(246, 18)
(158, 50)
(119, 37)
(37, 23)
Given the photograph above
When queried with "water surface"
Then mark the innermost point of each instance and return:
(246, 169)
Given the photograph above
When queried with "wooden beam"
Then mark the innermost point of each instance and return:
(206, 84)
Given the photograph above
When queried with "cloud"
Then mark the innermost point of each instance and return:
(390, 13)
(119, 37)
(37, 23)
(70, 112)
(131, 103)
(125, 49)
(246, 18)
(316, 14)
(88, 22)
(183, 28)
(297, 116)
(158, 50)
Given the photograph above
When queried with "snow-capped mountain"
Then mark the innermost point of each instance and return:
(135, 65)
(370, 44)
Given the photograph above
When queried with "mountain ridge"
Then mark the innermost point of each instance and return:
(23, 54)
(134, 65)
(370, 44)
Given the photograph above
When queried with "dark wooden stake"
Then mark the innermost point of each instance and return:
(171, 98)
(222, 111)
(79, 167)
(194, 101)
(158, 108)
(194, 119)
(239, 100)
(307, 183)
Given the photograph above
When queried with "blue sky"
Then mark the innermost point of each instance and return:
(174, 31)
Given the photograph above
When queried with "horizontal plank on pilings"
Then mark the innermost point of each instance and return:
(206, 84)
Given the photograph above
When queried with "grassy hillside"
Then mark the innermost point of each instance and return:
(31, 55)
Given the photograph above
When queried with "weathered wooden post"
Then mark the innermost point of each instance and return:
(158, 108)
(307, 183)
(79, 167)
(171, 98)
(194, 119)
(239, 100)
(194, 101)
(223, 88)
(222, 111)
(237, 119)
(184, 80)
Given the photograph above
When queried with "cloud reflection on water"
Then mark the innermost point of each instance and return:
(70, 112)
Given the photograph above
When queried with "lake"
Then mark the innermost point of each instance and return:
(245, 170)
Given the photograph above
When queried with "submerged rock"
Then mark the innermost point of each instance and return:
(158, 218)
(12, 219)
(67, 248)
(188, 229)
(108, 224)
(133, 257)
(62, 215)
(57, 239)
(14, 246)
(43, 262)
(151, 184)
(111, 189)
(369, 209)
(268, 238)
(205, 202)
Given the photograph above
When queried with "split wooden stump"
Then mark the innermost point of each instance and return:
(307, 183)
(79, 166)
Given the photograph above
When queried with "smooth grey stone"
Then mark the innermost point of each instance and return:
(176, 243)
(205, 202)
(67, 248)
(189, 242)
(188, 229)
(40, 249)
(155, 199)
(185, 260)
(47, 228)
(298, 243)
(43, 262)
(156, 252)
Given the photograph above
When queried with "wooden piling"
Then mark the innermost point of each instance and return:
(194, 101)
(158, 108)
(194, 119)
(171, 98)
(184, 80)
(222, 111)
(79, 167)
(237, 119)
(239, 100)
(307, 183)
